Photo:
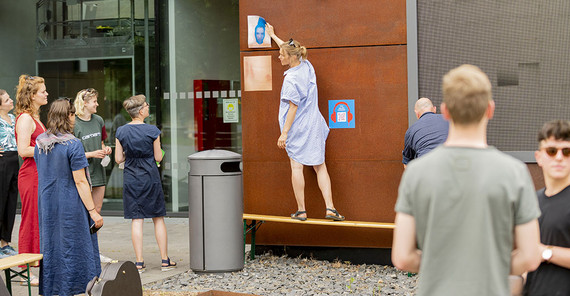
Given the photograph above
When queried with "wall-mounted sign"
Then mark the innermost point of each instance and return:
(231, 111)
(341, 114)
(256, 37)
(257, 73)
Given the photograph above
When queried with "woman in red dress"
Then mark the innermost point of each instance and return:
(31, 95)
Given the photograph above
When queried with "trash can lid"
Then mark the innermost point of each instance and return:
(215, 154)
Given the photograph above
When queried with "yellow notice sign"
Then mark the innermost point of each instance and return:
(231, 111)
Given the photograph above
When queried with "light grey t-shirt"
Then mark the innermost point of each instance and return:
(466, 202)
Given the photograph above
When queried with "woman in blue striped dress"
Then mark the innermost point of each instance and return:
(304, 131)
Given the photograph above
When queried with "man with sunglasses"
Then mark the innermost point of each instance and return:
(553, 274)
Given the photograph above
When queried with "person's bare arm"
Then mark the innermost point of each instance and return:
(95, 154)
(560, 255)
(271, 32)
(287, 126)
(25, 127)
(85, 193)
(119, 155)
(526, 256)
(405, 254)
(157, 150)
(106, 149)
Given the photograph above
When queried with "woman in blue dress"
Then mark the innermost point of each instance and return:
(138, 145)
(304, 131)
(65, 207)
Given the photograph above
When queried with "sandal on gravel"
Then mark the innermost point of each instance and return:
(140, 266)
(34, 281)
(167, 265)
(297, 216)
(335, 217)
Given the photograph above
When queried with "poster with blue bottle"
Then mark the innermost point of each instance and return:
(341, 114)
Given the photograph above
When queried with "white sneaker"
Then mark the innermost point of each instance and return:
(105, 259)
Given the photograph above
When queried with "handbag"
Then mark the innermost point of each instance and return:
(120, 278)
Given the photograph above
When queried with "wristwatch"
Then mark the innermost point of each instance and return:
(547, 253)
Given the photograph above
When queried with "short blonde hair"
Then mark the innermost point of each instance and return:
(83, 96)
(466, 94)
(134, 104)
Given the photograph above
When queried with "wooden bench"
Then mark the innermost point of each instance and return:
(8, 263)
(258, 220)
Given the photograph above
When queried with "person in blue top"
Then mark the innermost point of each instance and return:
(138, 145)
(304, 131)
(425, 134)
(9, 166)
(65, 207)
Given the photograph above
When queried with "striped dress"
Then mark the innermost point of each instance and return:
(308, 134)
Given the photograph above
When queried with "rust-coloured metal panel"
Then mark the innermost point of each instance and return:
(362, 190)
(289, 234)
(330, 23)
(375, 77)
(359, 52)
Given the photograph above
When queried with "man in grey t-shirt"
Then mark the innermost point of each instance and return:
(462, 207)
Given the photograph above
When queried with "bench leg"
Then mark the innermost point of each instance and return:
(28, 279)
(8, 272)
(252, 251)
(246, 228)
(8, 280)
(244, 237)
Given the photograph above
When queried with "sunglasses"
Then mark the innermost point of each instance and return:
(291, 42)
(553, 151)
(88, 92)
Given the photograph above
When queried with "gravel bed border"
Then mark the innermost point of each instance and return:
(282, 275)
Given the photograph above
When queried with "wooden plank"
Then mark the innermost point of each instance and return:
(20, 259)
(319, 221)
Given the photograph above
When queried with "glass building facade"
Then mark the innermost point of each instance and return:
(182, 55)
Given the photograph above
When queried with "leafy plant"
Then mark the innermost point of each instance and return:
(349, 286)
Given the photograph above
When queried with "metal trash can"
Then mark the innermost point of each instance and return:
(215, 210)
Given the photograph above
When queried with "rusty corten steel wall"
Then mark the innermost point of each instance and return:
(358, 50)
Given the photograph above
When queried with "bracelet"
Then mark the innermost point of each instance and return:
(91, 210)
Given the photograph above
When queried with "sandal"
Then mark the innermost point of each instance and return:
(34, 281)
(297, 217)
(140, 266)
(335, 217)
(169, 265)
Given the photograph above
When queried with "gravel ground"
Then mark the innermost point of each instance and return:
(273, 275)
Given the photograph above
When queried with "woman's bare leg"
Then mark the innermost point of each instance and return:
(298, 180)
(161, 236)
(324, 181)
(137, 238)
